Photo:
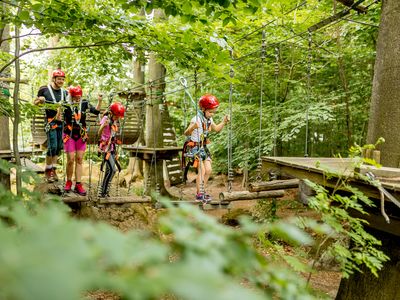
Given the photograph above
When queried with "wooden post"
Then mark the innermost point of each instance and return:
(135, 166)
(376, 155)
(153, 170)
(4, 120)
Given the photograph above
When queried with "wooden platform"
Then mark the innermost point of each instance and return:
(317, 169)
(9, 154)
(147, 153)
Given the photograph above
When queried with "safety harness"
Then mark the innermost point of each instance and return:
(107, 146)
(76, 123)
(48, 125)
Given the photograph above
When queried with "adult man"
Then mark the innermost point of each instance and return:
(51, 95)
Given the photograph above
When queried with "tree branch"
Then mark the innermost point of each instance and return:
(58, 48)
(17, 37)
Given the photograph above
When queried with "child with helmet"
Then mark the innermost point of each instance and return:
(198, 130)
(53, 93)
(75, 135)
(108, 131)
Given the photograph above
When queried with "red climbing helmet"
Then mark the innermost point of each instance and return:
(75, 91)
(58, 73)
(117, 109)
(208, 101)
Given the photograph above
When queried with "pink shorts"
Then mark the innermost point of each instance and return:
(71, 145)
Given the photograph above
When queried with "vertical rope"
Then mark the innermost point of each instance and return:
(230, 138)
(309, 60)
(276, 99)
(259, 163)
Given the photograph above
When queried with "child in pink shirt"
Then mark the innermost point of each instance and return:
(107, 132)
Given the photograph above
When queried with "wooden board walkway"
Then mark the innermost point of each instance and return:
(317, 169)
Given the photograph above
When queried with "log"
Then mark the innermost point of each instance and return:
(126, 199)
(273, 185)
(246, 195)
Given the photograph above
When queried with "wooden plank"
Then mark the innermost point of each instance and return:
(317, 176)
(273, 185)
(246, 195)
(126, 199)
(74, 198)
(31, 166)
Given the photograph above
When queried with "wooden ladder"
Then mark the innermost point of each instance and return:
(173, 166)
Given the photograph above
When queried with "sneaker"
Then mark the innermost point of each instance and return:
(55, 174)
(48, 173)
(207, 197)
(200, 197)
(79, 189)
(68, 186)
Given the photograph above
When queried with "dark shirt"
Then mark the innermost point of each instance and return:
(69, 119)
(44, 92)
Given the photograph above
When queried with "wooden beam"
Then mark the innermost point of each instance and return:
(273, 185)
(8, 79)
(350, 3)
(246, 195)
(334, 17)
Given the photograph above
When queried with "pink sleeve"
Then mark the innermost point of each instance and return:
(103, 120)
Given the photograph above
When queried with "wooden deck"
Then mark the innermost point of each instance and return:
(147, 153)
(320, 171)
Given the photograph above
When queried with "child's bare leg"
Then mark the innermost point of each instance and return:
(79, 164)
(200, 176)
(70, 164)
(207, 171)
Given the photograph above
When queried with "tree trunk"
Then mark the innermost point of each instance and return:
(385, 106)
(4, 120)
(16, 113)
(365, 286)
(384, 122)
(153, 171)
(135, 166)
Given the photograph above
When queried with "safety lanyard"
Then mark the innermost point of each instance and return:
(77, 115)
(52, 94)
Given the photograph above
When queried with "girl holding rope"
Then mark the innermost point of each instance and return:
(198, 130)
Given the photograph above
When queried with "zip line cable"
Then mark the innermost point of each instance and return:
(270, 22)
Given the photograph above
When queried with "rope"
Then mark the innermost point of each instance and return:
(230, 137)
(259, 162)
(276, 99)
(270, 22)
(309, 60)
(198, 114)
(142, 115)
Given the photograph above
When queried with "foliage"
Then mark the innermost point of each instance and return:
(353, 245)
(103, 37)
(46, 254)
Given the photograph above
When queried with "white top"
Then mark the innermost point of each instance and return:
(196, 133)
